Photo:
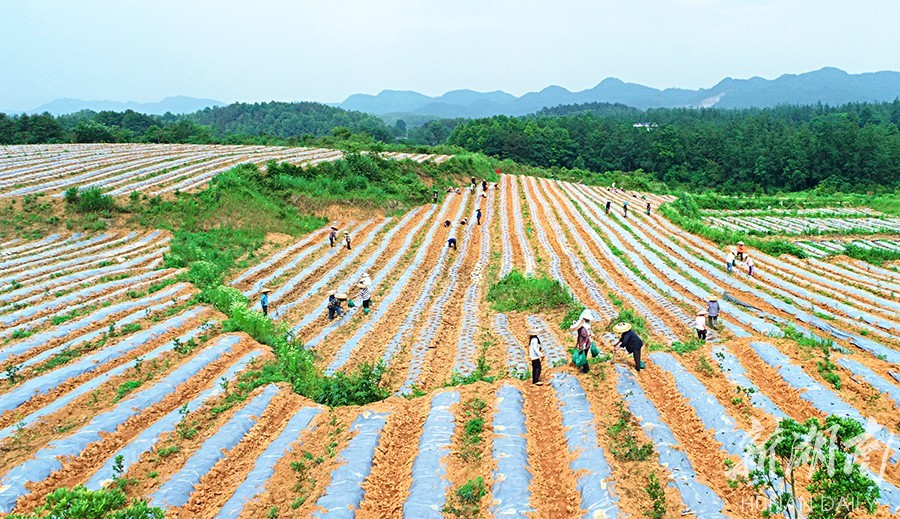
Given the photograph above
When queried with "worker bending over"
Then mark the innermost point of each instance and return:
(631, 342)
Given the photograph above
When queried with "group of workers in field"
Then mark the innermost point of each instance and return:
(585, 344)
(364, 295)
(451, 241)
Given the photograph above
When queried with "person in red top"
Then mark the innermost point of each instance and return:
(740, 253)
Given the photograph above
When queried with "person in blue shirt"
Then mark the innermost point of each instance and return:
(264, 301)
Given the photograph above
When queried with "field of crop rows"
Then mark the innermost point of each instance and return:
(810, 221)
(152, 169)
(102, 357)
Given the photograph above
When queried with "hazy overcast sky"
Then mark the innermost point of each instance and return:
(292, 50)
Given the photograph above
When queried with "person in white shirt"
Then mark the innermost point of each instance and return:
(700, 324)
(365, 292)
(536, 352)
(749, 262)
(729, 260)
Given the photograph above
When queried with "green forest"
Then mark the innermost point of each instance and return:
(239, 123)
(855, 147)
(848, 148)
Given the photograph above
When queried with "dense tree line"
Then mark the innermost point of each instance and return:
(289, 120)
(850, 147)
(261, 123)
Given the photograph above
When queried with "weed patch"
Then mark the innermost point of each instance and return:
(625, 444)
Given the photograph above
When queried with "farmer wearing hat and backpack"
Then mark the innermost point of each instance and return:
(536, 352)
(631, 342)
(264, 301)
(347, 239)
(583, 337)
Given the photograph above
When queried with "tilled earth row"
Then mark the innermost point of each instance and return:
(159, 392)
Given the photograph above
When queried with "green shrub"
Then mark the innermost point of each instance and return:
(89, 200)
(875, 256)
(360, 387)
(516, 292)
(81, 503)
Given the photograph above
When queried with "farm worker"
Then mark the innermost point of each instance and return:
(464, 221)
(607, 206)
(264, 300)
(446, 223)
(740, 253)
(631, 342)
(648, 208)
(452, 243)
(583, 337)
(729, 260)
(332, 235)
(478, 215)
(712, 310)
(484, 185)
(434, 196)
(749, 263)
(365, 293)
(700, 324)
(450, 189)
(472, 188)
(334, 304)
(536, 352)
(474, 181)
(625, 207)
(347, 239)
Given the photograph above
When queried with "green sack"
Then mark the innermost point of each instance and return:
(579, 358)
(595, 351)
(351, 304)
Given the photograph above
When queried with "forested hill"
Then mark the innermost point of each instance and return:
(850, 147)
(232, 123)
(280, 119)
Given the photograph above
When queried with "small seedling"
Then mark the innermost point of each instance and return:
(12, 371)
(657, 495)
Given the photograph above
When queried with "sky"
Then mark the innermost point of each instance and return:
(325, 50)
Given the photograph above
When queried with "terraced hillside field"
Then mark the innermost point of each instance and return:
(153, 169)
(110, 371)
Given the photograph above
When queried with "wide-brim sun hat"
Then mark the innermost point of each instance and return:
(701, 312)
(332, 292)
(333, 228)
(621, 327)
(341, 296)
(587, 315)
(266, 290)
(740, 243)
(712, 297)
(534, 331)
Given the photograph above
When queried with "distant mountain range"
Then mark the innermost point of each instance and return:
(828, 85)
(175, 105)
